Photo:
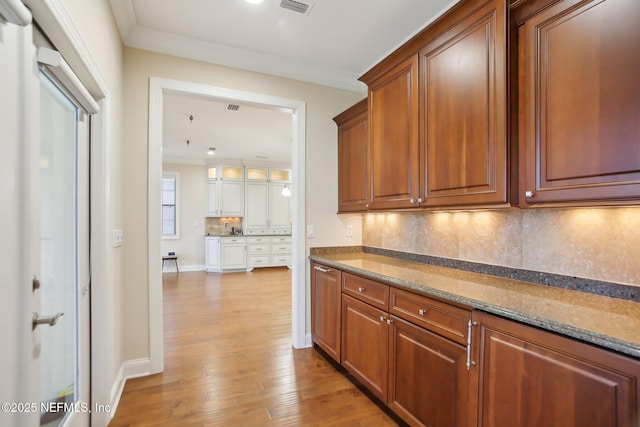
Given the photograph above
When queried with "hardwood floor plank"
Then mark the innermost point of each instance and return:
(229, 362)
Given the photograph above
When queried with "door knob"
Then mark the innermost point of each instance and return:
(45, 320)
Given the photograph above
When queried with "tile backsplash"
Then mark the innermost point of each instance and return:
(594, 243)
(215, 226)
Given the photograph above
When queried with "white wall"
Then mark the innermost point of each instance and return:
(322, 104)
(190, 246)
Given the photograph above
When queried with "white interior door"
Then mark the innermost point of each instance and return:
(44, 221)
(64, 258)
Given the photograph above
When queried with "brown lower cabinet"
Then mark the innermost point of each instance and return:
(530, 377)
(325, 310)
(415, 354)
(428, 378)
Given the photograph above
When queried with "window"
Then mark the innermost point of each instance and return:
(170, 212)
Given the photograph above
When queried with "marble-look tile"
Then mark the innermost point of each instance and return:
(577, 242)
(491, 237)
(437, 235)
(372, 230)
(630, 217)
(399, 231)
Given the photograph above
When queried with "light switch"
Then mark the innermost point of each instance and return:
(349, 232)
(311, 231)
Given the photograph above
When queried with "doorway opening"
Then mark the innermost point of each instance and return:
(158, 87)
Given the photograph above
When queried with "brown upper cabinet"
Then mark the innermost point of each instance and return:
(579, 92)
(463, 100)
(393, 124)
(437, 114)
(353, 158)
(535, 104)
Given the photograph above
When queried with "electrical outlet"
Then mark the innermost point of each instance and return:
(226, 224)
(349, 231)
(117, 238)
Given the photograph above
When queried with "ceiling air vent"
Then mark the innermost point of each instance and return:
(233, 107)
(296, 6)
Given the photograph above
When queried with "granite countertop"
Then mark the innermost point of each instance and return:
(609, 322)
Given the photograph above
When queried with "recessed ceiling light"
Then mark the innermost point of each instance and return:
(254, 1)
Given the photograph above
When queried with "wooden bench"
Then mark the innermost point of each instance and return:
(173, 258)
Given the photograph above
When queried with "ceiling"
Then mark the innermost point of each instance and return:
(332, 44)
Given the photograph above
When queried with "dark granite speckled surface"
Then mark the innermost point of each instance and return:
(609, 322)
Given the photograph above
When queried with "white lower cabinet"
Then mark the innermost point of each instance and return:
(234, 253)
(240, 253)
(212, 253)
(280, 251)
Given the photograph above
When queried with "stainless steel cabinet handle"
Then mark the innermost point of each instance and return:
(382, 319)
(361, 289)
(412, 200)
(528, 194)
(324, 270)
(45, 320)
(389, 321)
(422, 312)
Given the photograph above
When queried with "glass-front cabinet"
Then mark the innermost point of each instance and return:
(225, 191)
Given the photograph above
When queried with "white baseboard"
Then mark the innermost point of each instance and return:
(308, 340)
(172, 269)
(129, 369)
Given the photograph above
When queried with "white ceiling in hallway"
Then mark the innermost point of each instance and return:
(248, 133)
(332, 45)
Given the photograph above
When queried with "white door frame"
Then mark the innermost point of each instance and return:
(56, 23)
(157, 88)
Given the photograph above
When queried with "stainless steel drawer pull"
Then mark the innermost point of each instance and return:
(361, 289)
(324, 270)
(422, 312)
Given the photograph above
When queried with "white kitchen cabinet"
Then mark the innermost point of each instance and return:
(212, 253)
(280, 251)
(267, 211)
(225, 191)
(258, 250)
(234, 253)
(279, 206)
(257, 205)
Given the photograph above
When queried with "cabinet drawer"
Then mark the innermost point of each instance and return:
(444, 319)
(258, 240)
(233, 241)
(257, 249)
(280, 260)
(282, 248)
(258, 261)
(369, 291)
(281, 239)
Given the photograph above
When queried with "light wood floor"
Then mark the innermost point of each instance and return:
(229, 362)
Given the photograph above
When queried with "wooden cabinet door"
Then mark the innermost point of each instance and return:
(365, 344)
(257, 205)
(463, 95)
(233, 256)
(530, 377)
(580, 103)
(393, 133)
(212, 199)
(326, 309)
(212, 252)
(279, 206)
(428, 381)
(231, 198)
(353, 158)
